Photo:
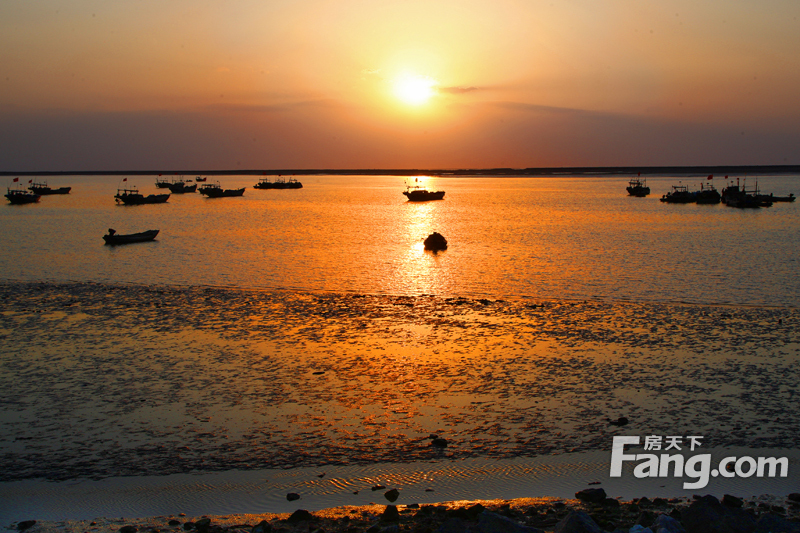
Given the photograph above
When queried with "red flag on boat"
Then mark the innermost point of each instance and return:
(710, 176)
(30, 181)
(125, 179)
(16, 180)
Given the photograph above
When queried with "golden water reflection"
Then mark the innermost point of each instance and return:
(421, 271)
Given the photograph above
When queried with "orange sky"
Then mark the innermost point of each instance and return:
(314, 84)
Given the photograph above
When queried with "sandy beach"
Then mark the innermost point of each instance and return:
(102, 381)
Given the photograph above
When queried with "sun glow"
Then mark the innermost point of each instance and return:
(414, 89)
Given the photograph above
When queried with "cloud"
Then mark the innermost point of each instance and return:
(457, 90)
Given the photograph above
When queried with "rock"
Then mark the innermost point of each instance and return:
(25, 524)
(732, 501)
(378, 487)
(453, 525)
(292, 496)
(619, 422)
(203, 525)
(439, 442)
(300, 515)
(577, 522)
(666, 524)
(638, 528)
(611, 502)
(793, 497)
(769, 523)
(473, 512)
(392, 495)
(174, 522)
(188, 526)
(435, 241)
(262, 527)
(646, 518)
(494, 523)
(591, 495)
(128, 529)
(708, 515)
(390, 514)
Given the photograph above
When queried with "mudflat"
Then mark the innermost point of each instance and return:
(103, 380)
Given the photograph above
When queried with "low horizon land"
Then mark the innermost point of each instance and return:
(494, 172)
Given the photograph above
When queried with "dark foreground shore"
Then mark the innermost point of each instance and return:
(593, 513)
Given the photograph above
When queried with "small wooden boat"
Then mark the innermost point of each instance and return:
(43, 189)
(181, 187)
(215, 190)
(199, 179)
(224, 193)
(114, 238)
(772, 198)
(132, 197)
(21, 196)
(419, 194)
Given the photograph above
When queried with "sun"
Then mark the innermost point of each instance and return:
(413, 89)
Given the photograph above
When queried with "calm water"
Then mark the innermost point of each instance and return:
(566, 237)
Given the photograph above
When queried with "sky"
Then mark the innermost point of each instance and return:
(271, 84)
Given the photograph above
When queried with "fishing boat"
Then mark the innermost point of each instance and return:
(707, 195)
(215, 190)
(43, 189)
(21, 196)
(679, 195)
(181, 187)
(162, 184)
(114, 238)
(266, 183)
(224, 193)
(199, 179)
(638, 187)
(772, 198)
(133, 197)
(417, 193)
(736, 196)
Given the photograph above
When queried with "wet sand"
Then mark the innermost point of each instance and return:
(103, 381)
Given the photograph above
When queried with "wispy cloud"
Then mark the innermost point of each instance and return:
(457, 90)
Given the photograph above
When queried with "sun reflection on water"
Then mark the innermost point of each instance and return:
(421, 271)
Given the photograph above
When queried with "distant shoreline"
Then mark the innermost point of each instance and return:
(495, 172)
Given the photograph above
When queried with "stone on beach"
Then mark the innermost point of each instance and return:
(708, 515)
(390, 514)
(300, 515)
(489, 522)
(591, 495)
(577, 522)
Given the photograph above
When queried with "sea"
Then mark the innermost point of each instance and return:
(304, 341)
(566, 237)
